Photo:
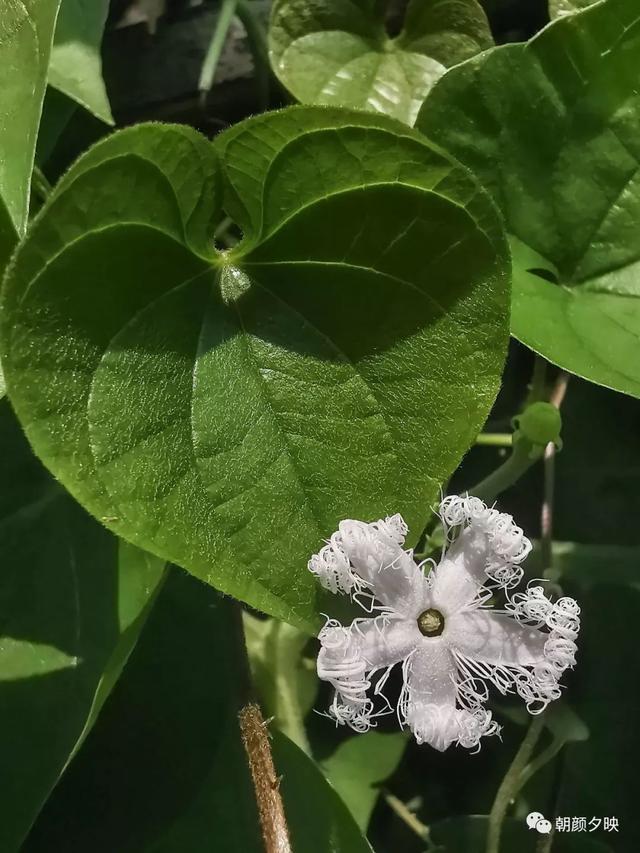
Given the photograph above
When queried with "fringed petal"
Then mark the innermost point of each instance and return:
(509, 653)
(460, 576)
(496, 639)
(430, 701)
(349, 657)
(487, 553)
(369, 558)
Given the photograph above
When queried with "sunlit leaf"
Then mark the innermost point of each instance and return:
(225, 410)
(552, 128)
(339, 52)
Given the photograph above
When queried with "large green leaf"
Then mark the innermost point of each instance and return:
(225, 410)
(552, 128)
(338, 51)
(72, 601)
(76, 67)
(164, 770)
(26, 33)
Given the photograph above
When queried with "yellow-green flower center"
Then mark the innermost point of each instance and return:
(431, 623)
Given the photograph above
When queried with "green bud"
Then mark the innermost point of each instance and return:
(540, 423)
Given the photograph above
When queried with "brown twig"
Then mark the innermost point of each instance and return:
(559, 389)
(266, 785)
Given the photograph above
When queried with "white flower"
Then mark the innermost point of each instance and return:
(452, 643)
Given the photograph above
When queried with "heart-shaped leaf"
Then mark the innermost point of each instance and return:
(552, 128)
(339, 52)
(72, 602)
(225, 410)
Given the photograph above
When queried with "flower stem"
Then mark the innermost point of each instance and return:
(511, 784)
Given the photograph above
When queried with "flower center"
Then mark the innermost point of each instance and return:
(431, 623)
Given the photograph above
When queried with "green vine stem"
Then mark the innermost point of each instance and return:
(414, 823)
(526, 452)
(495, 439)
(210, 64)
(544, 757)
(523, 455)
(512, 783)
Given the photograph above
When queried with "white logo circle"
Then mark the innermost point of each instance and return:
(533, 819)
